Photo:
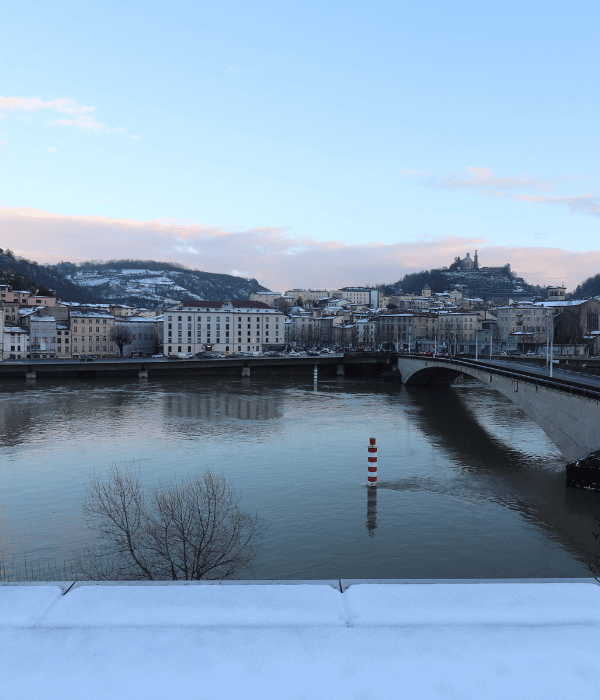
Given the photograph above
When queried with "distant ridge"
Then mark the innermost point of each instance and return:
(145, 283)
(149, 283)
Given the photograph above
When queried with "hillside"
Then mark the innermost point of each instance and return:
(484, 283)
(27, 275)
(149, 283)
(589, 288)
(144, 283)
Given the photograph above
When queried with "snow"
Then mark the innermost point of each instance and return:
(23, 605)
(425, 641)
(198, 606)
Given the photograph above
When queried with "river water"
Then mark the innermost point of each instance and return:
(468, 486)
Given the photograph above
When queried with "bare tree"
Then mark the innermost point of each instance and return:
(189, 530)
(121, 336)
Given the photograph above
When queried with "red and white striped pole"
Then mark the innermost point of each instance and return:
(372, 473)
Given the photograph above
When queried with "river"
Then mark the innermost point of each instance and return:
(469, 487)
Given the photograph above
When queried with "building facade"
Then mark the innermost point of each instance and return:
(92, 333)
(222, 326)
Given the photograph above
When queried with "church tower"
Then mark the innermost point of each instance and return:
(475, 261)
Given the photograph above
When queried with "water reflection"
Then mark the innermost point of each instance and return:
(526, 475)
(371, 511)
(27, 413)
(217, 405)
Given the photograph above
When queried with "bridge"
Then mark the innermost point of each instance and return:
(565, 406)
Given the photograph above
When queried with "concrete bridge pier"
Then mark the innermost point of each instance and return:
(143, 374)
(340, 370)
(246, 372)
(30, 374)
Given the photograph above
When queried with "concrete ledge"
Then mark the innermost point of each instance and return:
(430, 640)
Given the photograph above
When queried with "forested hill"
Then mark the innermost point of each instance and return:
(145, 283)
(148, 282)
(26, 275)
(485, 283)
(589, 288)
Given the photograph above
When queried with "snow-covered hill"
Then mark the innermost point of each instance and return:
(149, 283)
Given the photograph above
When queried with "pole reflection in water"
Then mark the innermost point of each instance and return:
(371, 511)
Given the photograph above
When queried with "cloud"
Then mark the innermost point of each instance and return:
(51, 149)
(483, 179)
(580, 204)
(486, 183)
(278, 259)
(80, 114)
(135, 136)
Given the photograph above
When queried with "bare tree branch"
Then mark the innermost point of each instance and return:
(187, 530)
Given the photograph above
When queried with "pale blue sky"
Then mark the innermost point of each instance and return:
(365, 123)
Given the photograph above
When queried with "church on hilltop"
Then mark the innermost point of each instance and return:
(467, 263)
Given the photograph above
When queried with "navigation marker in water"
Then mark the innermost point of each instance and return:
(372, 473)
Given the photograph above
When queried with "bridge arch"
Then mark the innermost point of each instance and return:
(570, 417)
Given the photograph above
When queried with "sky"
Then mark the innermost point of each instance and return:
(305, 144)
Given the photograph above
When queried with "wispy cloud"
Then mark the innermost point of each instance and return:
(80, 114)
(580, 204)
(483, 179)
(484, 182)
(278, 259)
(51, 149)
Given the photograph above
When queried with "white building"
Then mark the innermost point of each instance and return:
(16, 343)
(222, 326)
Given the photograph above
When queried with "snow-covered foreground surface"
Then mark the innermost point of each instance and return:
(442, 640)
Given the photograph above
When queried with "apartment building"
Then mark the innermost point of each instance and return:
(92, 333)
(467, 331)
(307, 294)
(360, 295)
(145, 334)
(268, 298)
(222, 326)
(528, 324)
(15, 344)
(42, 337)
(407, 331)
